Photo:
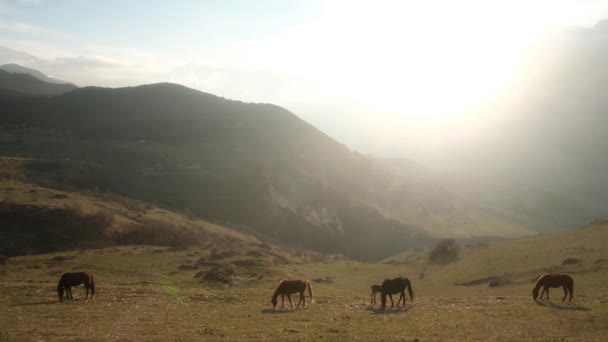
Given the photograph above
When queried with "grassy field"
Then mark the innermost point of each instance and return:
(144, 295)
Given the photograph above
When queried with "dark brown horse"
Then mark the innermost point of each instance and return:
(287, 287)
(394, 286)
(375, 289)
(74, 279)
(548, 280)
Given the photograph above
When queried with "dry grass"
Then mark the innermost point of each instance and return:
(142, 296)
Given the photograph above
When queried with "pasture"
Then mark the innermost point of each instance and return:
(142, 295)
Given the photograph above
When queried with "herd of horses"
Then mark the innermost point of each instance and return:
(388, 288)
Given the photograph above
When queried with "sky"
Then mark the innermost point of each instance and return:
(383, 77)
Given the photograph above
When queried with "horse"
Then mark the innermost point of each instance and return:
(74, 279)
(548, 280)
(394, 286)
(375, 289)
(287, 287)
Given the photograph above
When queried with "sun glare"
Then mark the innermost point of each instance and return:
(431, 61)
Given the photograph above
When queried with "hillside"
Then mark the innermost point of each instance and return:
(256, 167)
(27, 84)
(582, 253)
(41, 220)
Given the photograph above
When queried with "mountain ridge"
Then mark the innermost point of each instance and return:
(15, 68)
(255, 166)
(30, 85)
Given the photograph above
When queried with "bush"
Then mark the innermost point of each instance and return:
(444, 252)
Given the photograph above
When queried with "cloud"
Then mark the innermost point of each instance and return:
(23, 28)
(18, 57)
(84, 70)
(6, 8)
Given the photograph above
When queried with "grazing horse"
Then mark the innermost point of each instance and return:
(74, 279)
(394, 286)
(548, 280)
(287, 287)
(375, 289)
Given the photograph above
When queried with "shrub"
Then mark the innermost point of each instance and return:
(444, 252)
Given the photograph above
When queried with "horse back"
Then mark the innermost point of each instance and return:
(292, 286)
(555, 280)
(76, 278)
(393, 286)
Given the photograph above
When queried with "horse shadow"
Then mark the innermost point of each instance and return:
(36, 303)
(387, 311)
(564, 306)
(279, 311)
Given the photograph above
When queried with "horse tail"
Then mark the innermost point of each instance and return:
(410, 290)
(312, 300)
(92, 286)
(571, 288)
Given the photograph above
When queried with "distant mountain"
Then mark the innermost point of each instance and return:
(13, 56)
(19, 69)
(255, 167)
(12, 84)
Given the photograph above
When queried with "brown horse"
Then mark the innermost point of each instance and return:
(548, 280)
(394, 286)
(74, 279)
(287, 287)
(375, 289)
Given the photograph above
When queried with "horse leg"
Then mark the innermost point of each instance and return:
(282, 301)
(68, 292)
(391, 297)
(565, 292)
(290, 303)
(373, 298)
(402, 296)
(302, 300)
(547, 289)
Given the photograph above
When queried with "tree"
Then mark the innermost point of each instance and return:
(444, 252)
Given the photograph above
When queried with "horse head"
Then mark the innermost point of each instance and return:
(535, 292)
(60, 290)
(274, 302)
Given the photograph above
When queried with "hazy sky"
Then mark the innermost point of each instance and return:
(380, 76)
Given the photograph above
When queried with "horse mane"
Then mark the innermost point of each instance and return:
(542, 275)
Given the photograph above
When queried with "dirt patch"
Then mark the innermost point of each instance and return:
(326, 280)
(571, 261)
(479, 281)
(254, 253)
(61, 258)
(218, 275)
(499, 282)
(221, 255)
(186, 267)
(247, 263)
